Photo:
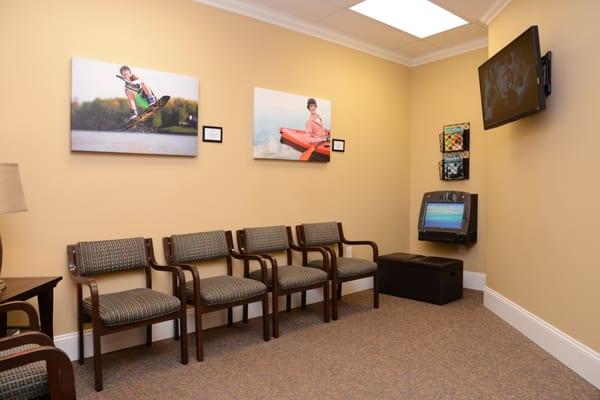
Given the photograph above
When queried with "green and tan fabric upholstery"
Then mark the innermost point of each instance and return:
(26, 382)
(132, 306)
(225, 289)
(348, 267)
(266, 239)
(194, 247)
(292, 276)
(320, 234)
(111, 255)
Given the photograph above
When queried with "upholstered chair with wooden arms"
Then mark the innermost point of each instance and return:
(114, 312)
(281, 279)
(30, 366)
(343, 269)
(216, 292)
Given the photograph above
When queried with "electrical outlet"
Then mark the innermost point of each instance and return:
(462, 249)
(348, 251)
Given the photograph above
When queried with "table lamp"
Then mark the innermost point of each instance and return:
(11, 197)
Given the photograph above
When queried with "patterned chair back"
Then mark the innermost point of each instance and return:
(320, 234)
(266, 239)
(104, 256)
(196, 247)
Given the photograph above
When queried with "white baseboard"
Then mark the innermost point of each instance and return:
(473, 280)
(164, 330)
(575, 355)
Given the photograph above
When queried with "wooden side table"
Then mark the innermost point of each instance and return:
(26, 288)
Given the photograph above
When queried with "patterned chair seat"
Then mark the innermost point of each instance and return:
(225, 289)
(348, 267)
(132, 305)
(292, 276)
(26, 382)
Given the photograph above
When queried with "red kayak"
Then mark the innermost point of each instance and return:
(302, 141)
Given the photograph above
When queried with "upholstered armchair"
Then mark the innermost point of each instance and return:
(30, 365)
(216, 292)
(343, 269)
(119, 311)
(281, 279)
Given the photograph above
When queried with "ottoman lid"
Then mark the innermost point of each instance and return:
(399, 257)
(436, 263)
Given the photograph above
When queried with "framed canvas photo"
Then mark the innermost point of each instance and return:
(339, 145)
(212, 134)
(289, 126)
(121, 108)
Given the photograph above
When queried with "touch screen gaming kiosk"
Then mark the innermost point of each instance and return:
(449, 217)
(445, 216)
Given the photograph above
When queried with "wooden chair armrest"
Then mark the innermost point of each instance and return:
(22, 306)
(177, 270)
(323, 250)
(274, 279)
(25, 338)
(195, 275)
(61, 380)
(83, 280)
(89, 282)
(174, 268)
(251, 257)
(365, 242)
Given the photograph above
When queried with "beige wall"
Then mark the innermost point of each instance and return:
(83, 196)
(543, 176)
(446, 92)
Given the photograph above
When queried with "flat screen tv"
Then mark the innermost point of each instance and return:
(448, 217)
(514, 82)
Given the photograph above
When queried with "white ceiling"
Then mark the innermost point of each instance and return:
(332, 20)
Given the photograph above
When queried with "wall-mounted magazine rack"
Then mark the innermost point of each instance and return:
(454, 145)
(454, 167)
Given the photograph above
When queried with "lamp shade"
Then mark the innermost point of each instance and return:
(12, 198)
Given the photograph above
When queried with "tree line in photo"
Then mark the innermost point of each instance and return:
(178, 116)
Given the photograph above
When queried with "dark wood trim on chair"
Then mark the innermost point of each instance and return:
(336, 280)
(275, 289)
(61, 381)
(99, 329)
(201, 308)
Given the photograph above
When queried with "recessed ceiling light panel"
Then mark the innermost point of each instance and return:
(420, 18)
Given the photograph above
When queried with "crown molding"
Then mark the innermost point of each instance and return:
(493, 12)
(287, 22)
(239, 7)
(449, 52)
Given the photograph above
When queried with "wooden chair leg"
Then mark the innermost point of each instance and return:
(376, 290)
(275, 316)
(230, 316)
(183, 338)
(61, 380)
(176, 330)
(175, 322)
(97, 361)
(303, 299)
(288, 302)
(334, 301)
(339, 291)
(325, 301)
(265, 310)
(199, 337)
(149, 335)
(245, 313)
(80, 340)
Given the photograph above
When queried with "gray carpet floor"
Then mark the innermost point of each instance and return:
(403, 350)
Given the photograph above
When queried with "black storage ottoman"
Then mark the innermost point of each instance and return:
(392, 272)
(435, 280)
